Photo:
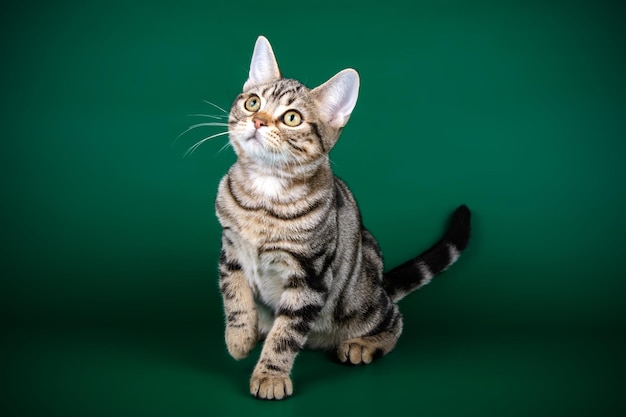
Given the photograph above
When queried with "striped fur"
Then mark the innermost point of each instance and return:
(297, 266)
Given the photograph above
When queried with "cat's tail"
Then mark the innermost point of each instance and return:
(419, 271)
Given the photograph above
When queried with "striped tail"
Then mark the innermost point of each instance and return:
(417, 272)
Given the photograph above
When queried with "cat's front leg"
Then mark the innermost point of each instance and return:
(299, 308)
(241, 314)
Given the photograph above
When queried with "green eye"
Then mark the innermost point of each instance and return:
(292, 118)
(253, 103)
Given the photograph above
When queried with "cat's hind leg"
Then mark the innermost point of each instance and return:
(380, 341)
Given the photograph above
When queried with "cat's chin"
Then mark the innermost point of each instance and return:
(256, 152)
(252, 145)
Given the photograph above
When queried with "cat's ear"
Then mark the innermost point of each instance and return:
(263, 67)
(337, 97)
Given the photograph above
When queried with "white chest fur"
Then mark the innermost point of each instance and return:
(266, 272)
(267, 185)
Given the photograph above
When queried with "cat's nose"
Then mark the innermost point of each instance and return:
(259, 121)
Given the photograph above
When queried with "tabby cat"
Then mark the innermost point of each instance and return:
(297, 266)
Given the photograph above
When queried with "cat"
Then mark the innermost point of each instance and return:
(297, 267)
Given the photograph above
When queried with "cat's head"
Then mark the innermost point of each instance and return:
(278, 121)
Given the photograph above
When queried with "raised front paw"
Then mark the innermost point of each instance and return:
(240, 340)
(270, 387)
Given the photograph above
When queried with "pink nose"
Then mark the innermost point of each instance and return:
(258, 122)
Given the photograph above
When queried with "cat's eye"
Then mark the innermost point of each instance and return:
(292, 118)
(253, 103)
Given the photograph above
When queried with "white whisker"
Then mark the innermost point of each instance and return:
(224, 147)
(200, 125)
(207, 115)
(215, 105)
(194, 147)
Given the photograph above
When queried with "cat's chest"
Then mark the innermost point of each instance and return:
(266, 272)
(267, 186)
(253, 216)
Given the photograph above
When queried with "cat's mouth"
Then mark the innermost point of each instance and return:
(254, 144)
(255, 138)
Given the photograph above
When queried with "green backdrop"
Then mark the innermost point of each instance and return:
(516, 108)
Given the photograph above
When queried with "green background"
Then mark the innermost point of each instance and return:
(516, 108)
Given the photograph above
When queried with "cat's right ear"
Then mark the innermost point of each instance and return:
(263, 67)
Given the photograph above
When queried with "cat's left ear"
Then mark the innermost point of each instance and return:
(337, 97)
(263, 67)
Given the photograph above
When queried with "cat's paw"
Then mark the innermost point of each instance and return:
(270, 387)
(240, 340)
(357, 352)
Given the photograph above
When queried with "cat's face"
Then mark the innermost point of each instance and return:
(277, 123)
(280, 122)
